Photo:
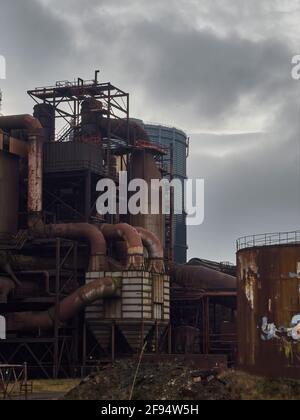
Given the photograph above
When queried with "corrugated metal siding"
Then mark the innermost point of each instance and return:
(158, 289)
(143, 296)
(68, 156)
(144, 300)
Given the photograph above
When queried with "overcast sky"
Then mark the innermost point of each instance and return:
(219, 69)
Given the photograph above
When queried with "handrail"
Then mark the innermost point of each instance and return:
(166, 126)
(268, 239)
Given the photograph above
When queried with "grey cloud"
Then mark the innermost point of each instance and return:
(35, 43)
(214, 65)
(246, 193)
(195, 75)
(209, 75)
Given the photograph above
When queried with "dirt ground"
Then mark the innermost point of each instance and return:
(42, 390)
(179, 382)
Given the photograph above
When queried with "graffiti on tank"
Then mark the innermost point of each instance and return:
(271, 332)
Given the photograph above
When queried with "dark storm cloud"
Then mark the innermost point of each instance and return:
(35, 44)
(194, 77)
(208, 66)
(208, 75)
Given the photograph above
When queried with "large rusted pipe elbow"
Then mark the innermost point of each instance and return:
(154, 248)
(84, 231)
(134, 245)
(67, 309)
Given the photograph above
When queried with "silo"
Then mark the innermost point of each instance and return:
(269, 306)
(9, 195)
(169, 137)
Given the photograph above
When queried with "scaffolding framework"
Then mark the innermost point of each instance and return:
(53, 354)
(67, 97)
(66, 352)
(14, 381)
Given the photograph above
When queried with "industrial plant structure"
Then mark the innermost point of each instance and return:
(76, 286)
(58, 255)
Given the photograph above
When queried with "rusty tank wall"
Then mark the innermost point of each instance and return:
(9, 194)
(143, 166)
(269, 310)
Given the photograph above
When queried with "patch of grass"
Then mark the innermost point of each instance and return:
(59, 385)
(248, 387)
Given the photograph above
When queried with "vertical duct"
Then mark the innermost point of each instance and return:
(144, 167)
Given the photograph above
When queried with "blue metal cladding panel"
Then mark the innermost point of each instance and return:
(167, 136)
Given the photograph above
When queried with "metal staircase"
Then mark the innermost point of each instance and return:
(65, 133)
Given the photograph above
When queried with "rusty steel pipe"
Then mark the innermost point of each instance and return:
(132, 239)
(35, 159)
(22, 122)
(202, 278)
(68, 307)
(8, 270)
(154, 248)
(84, 231)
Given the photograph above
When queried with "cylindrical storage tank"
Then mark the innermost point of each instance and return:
(144, 167)
(269, 310)
(9, 195)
